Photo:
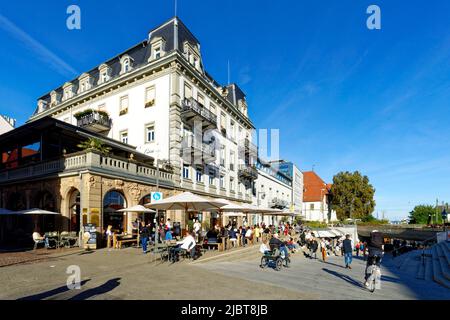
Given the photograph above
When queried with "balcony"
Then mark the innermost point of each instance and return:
(194, 111)
(201, 151)
(247, 171)
(249, 147)
(88, 160)
(279, 203)
(94, 121)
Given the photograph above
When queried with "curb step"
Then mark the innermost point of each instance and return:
(446, 252)
(428, 274)
(437, 272)
(443, 262)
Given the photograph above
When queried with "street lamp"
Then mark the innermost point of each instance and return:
(444, 218)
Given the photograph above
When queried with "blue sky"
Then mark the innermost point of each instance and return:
(343, 97)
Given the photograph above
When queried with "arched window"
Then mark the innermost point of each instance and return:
(114, 201)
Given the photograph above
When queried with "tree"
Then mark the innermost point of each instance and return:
(352, 195)
(94, 144)
(420, 214)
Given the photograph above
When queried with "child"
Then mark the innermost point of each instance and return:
(264, 248)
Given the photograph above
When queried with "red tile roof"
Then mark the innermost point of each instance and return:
(314, 188)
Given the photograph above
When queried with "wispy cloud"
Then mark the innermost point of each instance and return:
(37, 48)
(244, 75)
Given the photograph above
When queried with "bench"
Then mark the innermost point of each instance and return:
(217, 244)
(122, 241)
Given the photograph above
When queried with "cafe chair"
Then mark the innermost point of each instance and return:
(38, 239)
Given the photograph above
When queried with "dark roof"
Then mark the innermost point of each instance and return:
(140, 53)
(235, 93)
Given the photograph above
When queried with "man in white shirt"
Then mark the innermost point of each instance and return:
(188, 244)
(197, 227)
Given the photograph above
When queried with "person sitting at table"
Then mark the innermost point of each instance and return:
(232, 232)
(169, 236)
(264, 248)
(211, 235)
(187, 244)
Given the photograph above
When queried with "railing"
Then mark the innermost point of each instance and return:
(249, 171)
(206, 150)
(86, 160)
(250, 147)
(94, 118)
(190, 104)
(279, 203)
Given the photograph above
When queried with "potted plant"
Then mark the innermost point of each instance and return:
(96, 145)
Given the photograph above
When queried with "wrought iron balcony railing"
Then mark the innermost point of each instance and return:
(192, 109)
(95, 121)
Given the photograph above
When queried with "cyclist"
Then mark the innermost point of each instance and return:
(376, 251)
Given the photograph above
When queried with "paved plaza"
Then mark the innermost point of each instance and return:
(128, 274)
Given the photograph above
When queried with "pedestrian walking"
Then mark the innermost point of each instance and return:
(348, 251)
(357, 249)
(144, 235)
(323, 248)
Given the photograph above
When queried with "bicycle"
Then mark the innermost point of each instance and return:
(374, 280)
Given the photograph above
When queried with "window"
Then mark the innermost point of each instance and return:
(212, 108)
(222, 182)
(104, 73)
(223, 121)
(185, 171)
(199, 176)
(232, 130)
(201, 100)
(123, 105)
(124, 137)
(231, 183)
(232, 160)
(222, 156)
(311, 206)
(150, 133)
(212, 174)
(187, 91)
(127, 64)
(68, 91)
(150, 96)
(157, 53)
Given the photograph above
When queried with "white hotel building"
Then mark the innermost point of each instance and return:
(147, 103)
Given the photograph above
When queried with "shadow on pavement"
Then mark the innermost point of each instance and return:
(50, 293)
(104, 288)
(85, 252)
(344, 277)
(333, 264)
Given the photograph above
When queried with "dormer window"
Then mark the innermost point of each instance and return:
(85, 82)
(68, 91)
(104, 73)
(42, 105)
(192, 54)
(158, 47)
(157, 53)
(54, 98)
(127, 64)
